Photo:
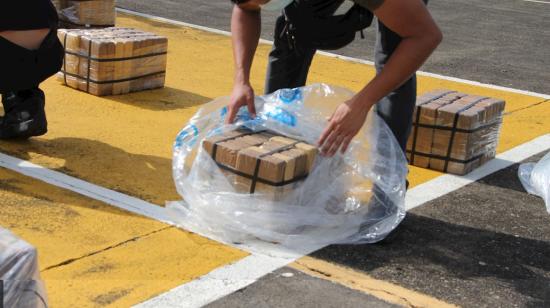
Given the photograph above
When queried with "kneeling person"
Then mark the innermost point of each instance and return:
(31, 52)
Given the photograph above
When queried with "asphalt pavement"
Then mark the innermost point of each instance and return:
(493, 41)
(484, 245)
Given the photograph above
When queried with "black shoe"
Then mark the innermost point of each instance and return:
(24, 114)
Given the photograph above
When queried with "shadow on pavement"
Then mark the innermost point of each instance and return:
(144, 176)
(455, 262)
(166, 98)
(484, 245)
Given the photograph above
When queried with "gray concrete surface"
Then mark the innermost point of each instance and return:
(485, 245)
(503, 42)
(300, 291)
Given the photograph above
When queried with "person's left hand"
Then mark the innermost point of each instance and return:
(344, 124)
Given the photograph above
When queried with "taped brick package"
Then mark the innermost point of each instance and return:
(113, 60)
(261, 180)
(19, 274)
(86, 13)
(454, 132)
(261, 163)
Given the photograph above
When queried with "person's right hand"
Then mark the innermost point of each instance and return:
(242, 95)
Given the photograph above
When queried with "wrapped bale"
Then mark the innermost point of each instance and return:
(113, 60)
(454, 132)
(86, 14)
(355, 197)
(261, 163)
(19, 274)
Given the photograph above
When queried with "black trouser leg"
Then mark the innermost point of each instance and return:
(21, 72)
(22, 69)
(398, 106)
(287, 67)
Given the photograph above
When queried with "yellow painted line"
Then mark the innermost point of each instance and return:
(92, 254)
(124, 142)
(384, 290)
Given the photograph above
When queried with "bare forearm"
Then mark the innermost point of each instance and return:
(245, 30)
(404, 62)
(420, 35)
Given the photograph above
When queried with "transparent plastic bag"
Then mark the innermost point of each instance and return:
(19, 273)
(357, 197)
(535, 178)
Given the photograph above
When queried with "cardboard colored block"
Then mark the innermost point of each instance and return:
(228, 150)
(248, 158)
(112, 61)
(279, 159)
(462, 127)
(311, 154)
(208, 143)
(90, 13)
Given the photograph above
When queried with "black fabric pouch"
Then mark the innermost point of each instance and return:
(312, 24)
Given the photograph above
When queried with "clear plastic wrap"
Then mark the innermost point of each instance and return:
(357, 197)
(19, 273)
(90, 13)
(454, 132)
(113, 60)
(535, 177)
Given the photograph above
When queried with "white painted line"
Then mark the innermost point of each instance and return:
(345, 58)
(218, 283)
(87, 189)
(226, 280)
(447, 183)
(537, 1)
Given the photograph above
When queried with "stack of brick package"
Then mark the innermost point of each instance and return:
(261, 162)
(454, 132)
(112, 61)
(86, 13)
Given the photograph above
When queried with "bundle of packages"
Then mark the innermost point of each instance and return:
(454, 132)
(261, 179)
(113, 61)
(262, 162)
(86, 13)
(19, 274)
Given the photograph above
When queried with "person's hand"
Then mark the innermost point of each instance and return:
(242, 95)
(344, 124)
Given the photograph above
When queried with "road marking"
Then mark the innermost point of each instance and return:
(538, 1)
(84, 188)
(227, 279)
(345, 58)
(119, 200)
(219, 283)
(222, 281)
(447, 183)
(381, 289)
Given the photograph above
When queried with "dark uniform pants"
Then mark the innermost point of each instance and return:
(288, 68)
(21, 68)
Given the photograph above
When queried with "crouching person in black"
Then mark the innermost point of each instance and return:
(29, 53)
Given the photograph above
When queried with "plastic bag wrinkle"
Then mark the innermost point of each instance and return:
(535, 178)
(354, 198)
